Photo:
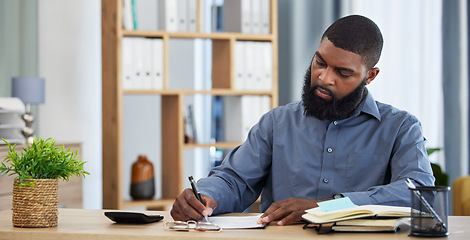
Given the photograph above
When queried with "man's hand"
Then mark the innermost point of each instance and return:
(187, 207)
(288, 210)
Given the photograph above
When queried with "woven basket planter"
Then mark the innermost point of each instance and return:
(35, 206)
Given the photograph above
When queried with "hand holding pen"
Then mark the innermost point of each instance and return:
(198, 195)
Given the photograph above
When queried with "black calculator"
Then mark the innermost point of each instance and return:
(132, 217)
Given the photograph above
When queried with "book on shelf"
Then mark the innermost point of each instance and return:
(191, 16)
(134, 14)
(190, 126)
(216, 8)
(239, 65)
(246, 16)
(253, 66)
(241, 113)
(265, 16)
(127, 21)
(157, 63)
(166, 15)
(142, 63)
(217, 130)
(147, 63)
(177, 15)
(146, 12)
(317, 215)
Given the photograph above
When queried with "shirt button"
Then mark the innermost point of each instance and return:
(325, 180)
(335, 122)
(329, 150)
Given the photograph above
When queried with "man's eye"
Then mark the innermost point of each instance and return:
(320, 63)
(342, 75)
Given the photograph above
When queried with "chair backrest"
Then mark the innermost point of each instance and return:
(461, 196)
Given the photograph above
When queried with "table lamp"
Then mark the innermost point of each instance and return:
(31, 91)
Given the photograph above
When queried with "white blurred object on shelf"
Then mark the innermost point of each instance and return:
(11, 123)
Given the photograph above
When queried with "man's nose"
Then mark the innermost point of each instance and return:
(327, 77)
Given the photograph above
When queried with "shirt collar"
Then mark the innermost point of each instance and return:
(369, 106)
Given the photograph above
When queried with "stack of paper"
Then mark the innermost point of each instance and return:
(10, 121)
(236, 222)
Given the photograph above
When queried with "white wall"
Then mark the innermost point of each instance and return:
(410, 75)
(69, 44)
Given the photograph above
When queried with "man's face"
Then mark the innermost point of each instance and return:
(335, 82)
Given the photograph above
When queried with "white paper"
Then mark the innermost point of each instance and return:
(234, 222)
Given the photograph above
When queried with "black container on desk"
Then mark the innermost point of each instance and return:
(429, 211)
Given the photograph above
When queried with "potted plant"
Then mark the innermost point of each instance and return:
(38, 167)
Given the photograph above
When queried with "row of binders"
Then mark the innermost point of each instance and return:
(244, 16)
(167, 15)
(253, 66)
(241, 113)
(142, 63)
(247, 16)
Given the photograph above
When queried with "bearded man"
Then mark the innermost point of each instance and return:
(336, 142)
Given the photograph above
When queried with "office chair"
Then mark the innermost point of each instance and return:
(461, 196)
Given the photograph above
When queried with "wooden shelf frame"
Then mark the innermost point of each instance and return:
(172, 99)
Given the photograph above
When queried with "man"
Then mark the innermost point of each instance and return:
(337, 142)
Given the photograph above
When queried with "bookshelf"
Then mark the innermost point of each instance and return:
(172, 100)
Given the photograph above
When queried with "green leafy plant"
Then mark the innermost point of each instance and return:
(42, 160)
(442, 179)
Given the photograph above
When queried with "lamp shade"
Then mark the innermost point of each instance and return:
(28, 89)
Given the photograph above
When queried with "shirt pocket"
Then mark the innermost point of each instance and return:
(364, 170)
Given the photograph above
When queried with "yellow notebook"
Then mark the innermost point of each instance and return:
(317, 215)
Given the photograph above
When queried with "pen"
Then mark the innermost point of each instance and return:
(196, 192)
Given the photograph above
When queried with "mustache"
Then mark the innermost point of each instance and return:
(317, 86)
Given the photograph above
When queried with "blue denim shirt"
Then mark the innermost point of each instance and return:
(366, 157)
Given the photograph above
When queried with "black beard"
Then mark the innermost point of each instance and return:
(333, 109)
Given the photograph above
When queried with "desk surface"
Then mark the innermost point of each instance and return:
(92, 224)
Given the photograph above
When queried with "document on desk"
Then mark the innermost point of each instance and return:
(237, 222)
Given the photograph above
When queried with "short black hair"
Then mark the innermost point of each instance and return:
(359, 35)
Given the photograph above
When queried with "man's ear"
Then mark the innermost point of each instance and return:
(371, 74)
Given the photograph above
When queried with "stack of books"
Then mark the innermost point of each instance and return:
(365, 218)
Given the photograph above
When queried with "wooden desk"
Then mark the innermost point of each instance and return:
(92, 224)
